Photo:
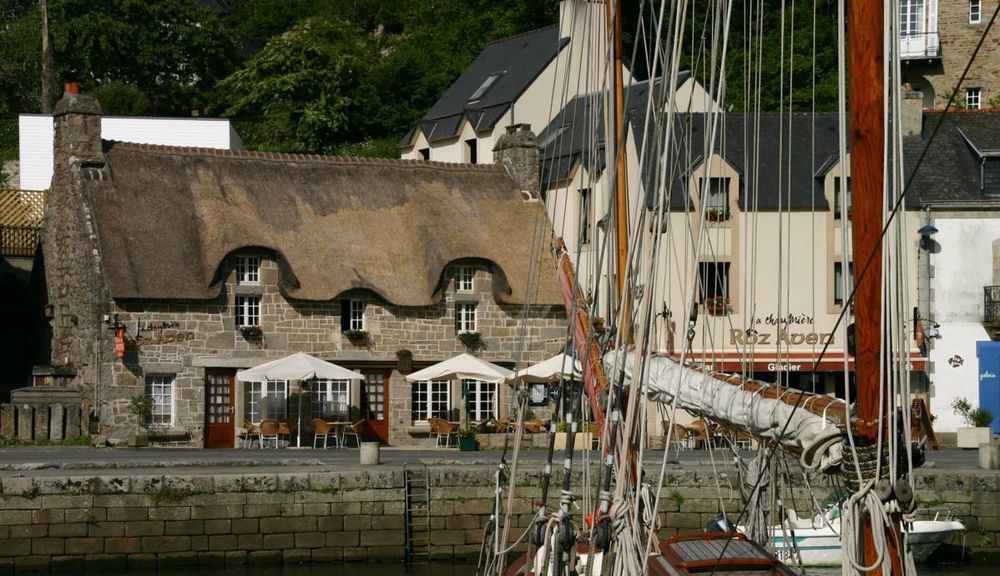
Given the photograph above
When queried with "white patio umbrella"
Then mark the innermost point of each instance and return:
(552, 369)
(299, 366)
(462, 367)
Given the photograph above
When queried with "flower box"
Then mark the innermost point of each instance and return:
(359, 338)
(252, 333)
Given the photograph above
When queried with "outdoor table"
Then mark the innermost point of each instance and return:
(338, 430)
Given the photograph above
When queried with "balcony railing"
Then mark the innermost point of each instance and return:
(921, 45)
(991, 304)
(19, 240)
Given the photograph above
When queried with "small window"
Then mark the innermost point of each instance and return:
(717, 200)
(161, 390)
(973, 99)
(975, 11)
(838, 281)
(247, 311)
(836, 198)
(714, 278)
(331, 400)
(584, 216)
(247, 270)
(352, 315)
(265, 400)
(485, 86)
(430, 399)
(471, 151)
(465, 317)
(463, 278)
(549, 136)
(425, 153)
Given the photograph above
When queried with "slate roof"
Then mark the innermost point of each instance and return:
(168, 217)
(518, 59)
(953, 170)
(566, 141)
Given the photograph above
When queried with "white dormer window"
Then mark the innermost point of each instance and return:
(465, 317)
(975, 11)
(717, 200)
(247, 270)
(352, 315)
(973, 98)
(485, 86)
(463, 278)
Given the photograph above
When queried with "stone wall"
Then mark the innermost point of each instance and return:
(958, 40)
(126, 521)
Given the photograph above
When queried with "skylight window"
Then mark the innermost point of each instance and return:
(485, 86)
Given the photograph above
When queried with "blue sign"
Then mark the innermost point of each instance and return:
(989, 379)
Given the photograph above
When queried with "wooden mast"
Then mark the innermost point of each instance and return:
(614, 23)
(865, 68)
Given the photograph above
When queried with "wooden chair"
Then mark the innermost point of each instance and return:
(269, 430)
(284, 430)
(698, 432)
(487, 426)
(355, 431)
(249, 434)
(443, 429)
(679, 436)
(321, 429)
(534, 426)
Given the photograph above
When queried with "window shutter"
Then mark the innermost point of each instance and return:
(458, 318)
(345, 315)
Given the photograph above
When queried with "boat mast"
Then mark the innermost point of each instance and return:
(613, 13)
(865, 65)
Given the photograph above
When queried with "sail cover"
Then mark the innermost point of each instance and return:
(816, 439)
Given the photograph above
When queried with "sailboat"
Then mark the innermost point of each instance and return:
(858, 438)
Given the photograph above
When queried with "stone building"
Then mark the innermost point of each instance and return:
(937, 37)
(168, 269)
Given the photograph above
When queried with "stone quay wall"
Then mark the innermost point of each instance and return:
(118, 522)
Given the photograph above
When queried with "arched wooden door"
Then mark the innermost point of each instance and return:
(375, 403)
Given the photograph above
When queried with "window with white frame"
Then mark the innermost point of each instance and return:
(247, 270)
(838, 281)
(485, 86)
(911, 17)
(465, 317)
(352, 315)
(463, 278)
(331, 400)
(716, 199)
(161, 390)
(973, 98)
(265, 400)
(430, 399)
(482, 399)
(837, 188)
(975, 11)
(247, 311)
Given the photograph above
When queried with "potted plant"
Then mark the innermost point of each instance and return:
(717, 214)
(467, 440)
(141, 406)
(580, 442)
(359, 338)
(252, 333)
(977, 421)
(473, 341)
(717, 305)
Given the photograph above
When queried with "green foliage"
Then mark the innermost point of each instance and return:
(20, 57)
(119, 99)
(141, 406)
(466, 433)
(974, 417)
(472, 341)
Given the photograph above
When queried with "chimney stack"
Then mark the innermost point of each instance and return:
(517, 151)
(77, 128)
(912, 112)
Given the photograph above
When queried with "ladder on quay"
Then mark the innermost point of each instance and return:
(418, 512)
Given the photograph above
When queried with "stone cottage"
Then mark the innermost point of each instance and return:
(168, 269)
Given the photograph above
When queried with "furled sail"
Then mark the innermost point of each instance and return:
(794, 428)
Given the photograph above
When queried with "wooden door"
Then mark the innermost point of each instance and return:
(220, 392)
(375, 404)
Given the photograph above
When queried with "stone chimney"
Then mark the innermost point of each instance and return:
(517, 152)
(912, 113)
(77, 130)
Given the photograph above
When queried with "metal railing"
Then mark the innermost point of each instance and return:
(991, 304)
(19, 240)
(919, 45)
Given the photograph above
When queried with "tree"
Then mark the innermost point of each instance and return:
(171, 50)
(303, 84)
(20, 57)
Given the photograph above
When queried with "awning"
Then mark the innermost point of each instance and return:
(788, 362)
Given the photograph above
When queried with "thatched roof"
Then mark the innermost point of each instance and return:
(172, 215)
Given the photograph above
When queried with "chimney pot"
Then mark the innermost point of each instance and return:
(71, 87)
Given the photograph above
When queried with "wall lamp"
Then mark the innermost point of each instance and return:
(925, 235)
